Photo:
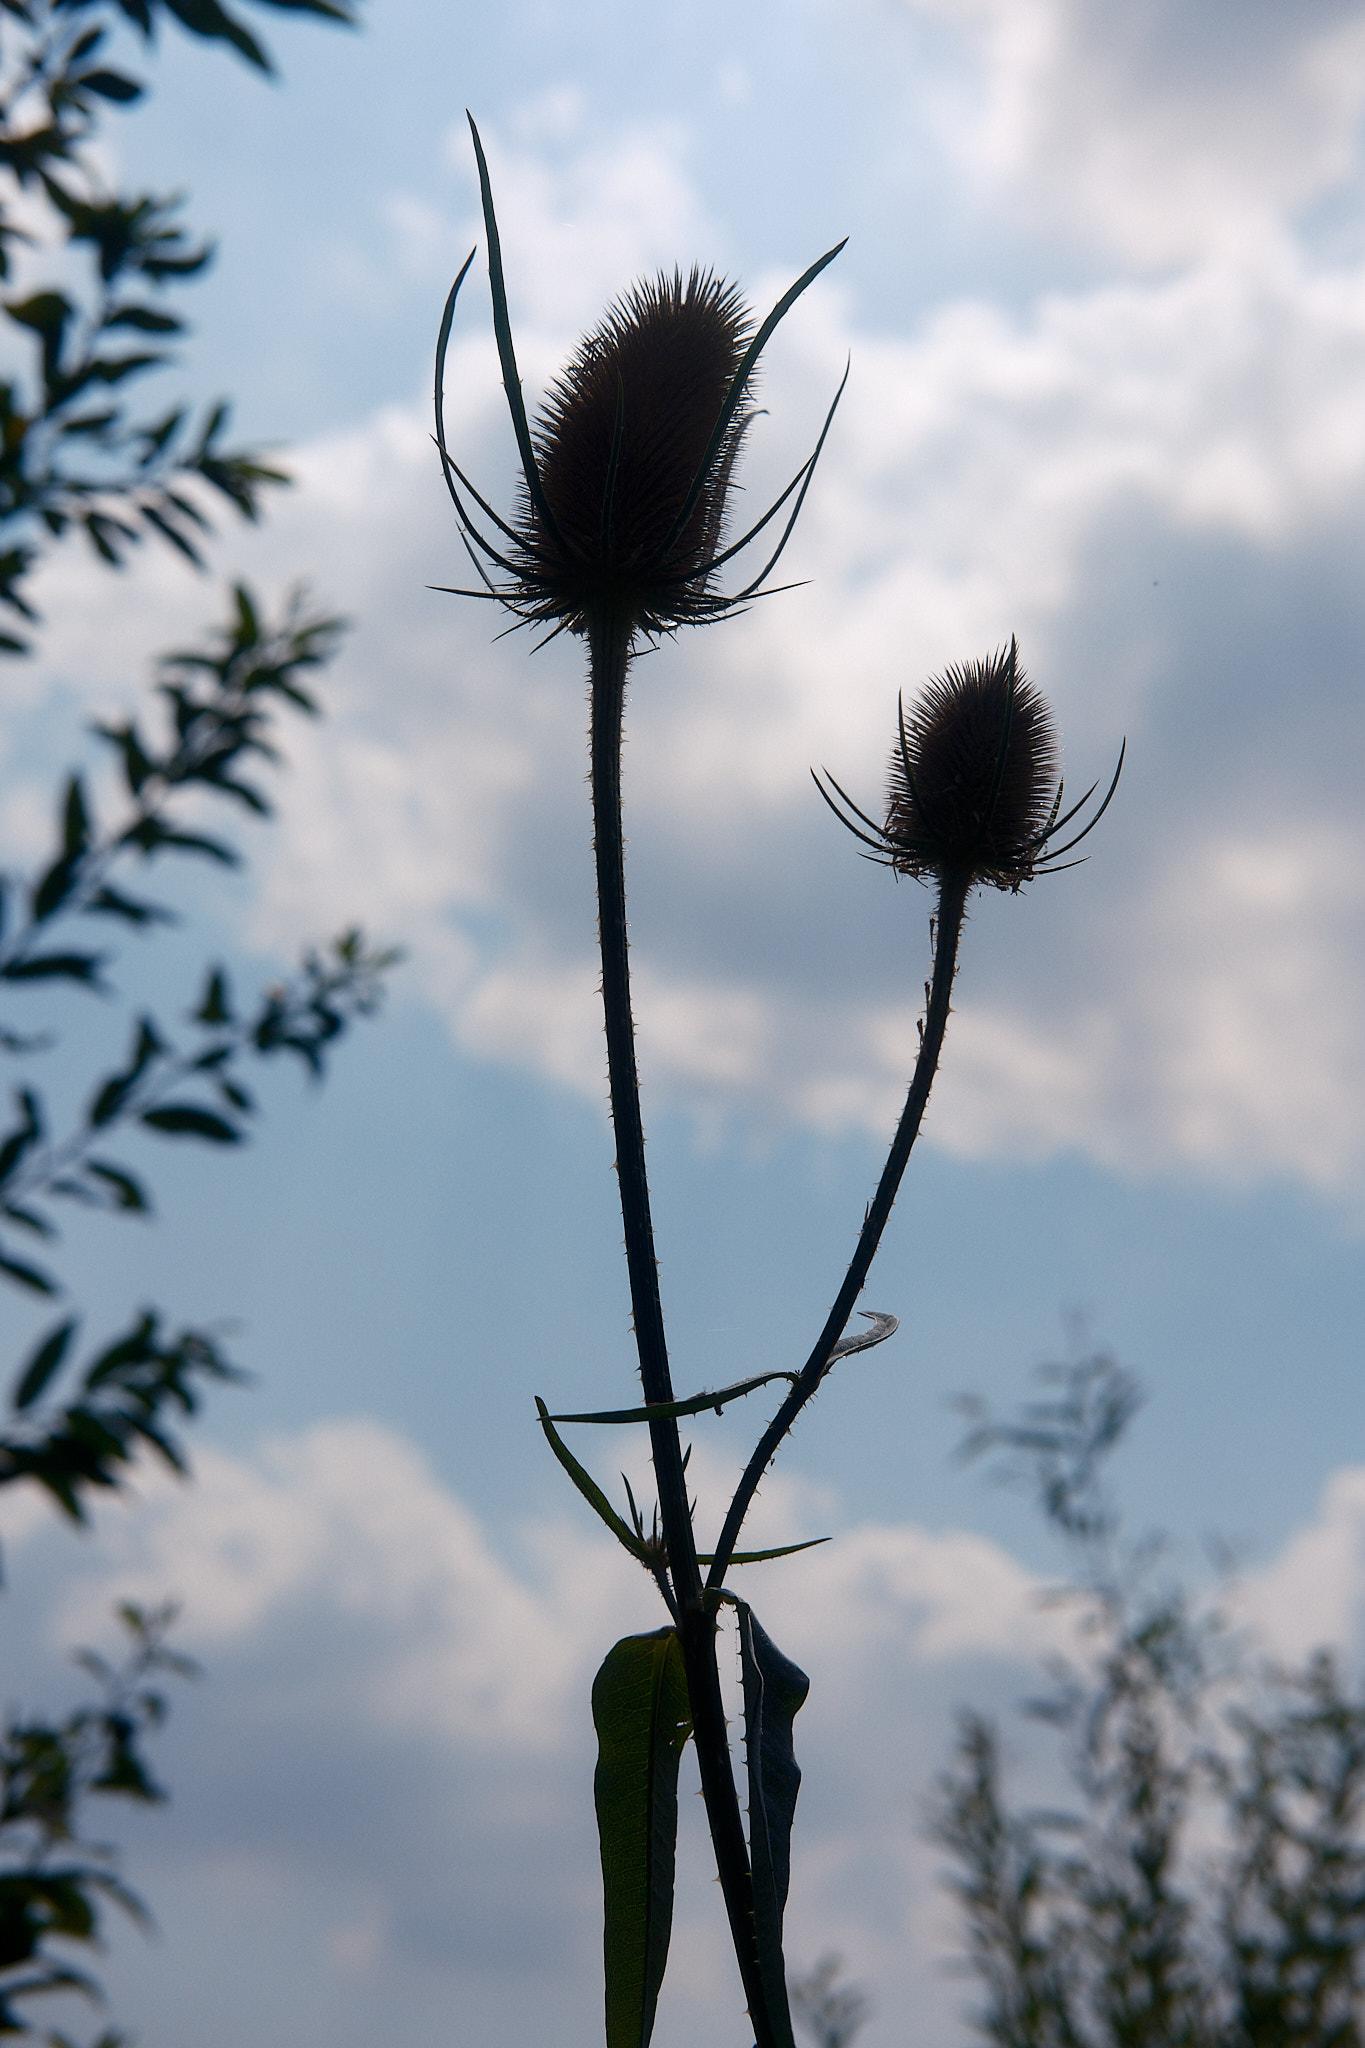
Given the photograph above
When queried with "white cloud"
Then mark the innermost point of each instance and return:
(396, 1715)
(383, 1788)
(1163, 130)
(1313, 1593)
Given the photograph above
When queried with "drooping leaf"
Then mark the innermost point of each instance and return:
(27, 1276)
(641, 1713)
(53, 887)
(762, 1556)
(206, 18)
(25, 1135)
(28, 1219)
(110, 902)
(113, 1094)
(56, 967)
(883, 1326)
(187, 1120)
(774, 1691)
(126, 1192)
(110, 85)
(40, 1368)
(588, 1487)
(664, 1411)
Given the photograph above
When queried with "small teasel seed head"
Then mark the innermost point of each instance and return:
(621, 441)
(974, 777)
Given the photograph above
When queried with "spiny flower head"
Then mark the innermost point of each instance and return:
(626, 471)
(975, 794)
(635, 454)
(974, 776)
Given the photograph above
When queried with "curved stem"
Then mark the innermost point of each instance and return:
(952, 903)
(609, 637)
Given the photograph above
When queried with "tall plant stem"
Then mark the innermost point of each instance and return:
(952, 903)
(610, 636)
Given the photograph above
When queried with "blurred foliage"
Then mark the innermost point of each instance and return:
(828, 2011)
(86, 274)
(70, 1433)
(1204, 1887)
(87, 278)
(54, 1883)
(76, 1426)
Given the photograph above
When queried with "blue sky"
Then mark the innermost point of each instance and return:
(1104, 295)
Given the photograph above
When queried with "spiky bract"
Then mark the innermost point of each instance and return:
(622, 442)
(974, 776)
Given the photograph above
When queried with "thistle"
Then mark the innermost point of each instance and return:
(626, 432)
(620, 532)
(974, 795)
(625, 473)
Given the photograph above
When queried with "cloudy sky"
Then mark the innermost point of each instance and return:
(1104, 298)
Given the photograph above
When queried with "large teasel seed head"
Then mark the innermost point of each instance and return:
(626, 472)
(974, 776)
(626, 437)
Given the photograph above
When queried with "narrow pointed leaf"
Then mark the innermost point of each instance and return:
(27, 1276)
(641, 1713)
(588, 1487)
(41, 1366)
(762, 1556)
(665, 1411)
(187, 1120)
(774, 1691)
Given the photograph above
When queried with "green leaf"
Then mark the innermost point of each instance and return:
(186, 1120)
(54, 886)
(642, 1716)
(150, 834)
(25, 1135)
(206, 18)
(146, 319)
(665, 1411)
(75, 820)
(774, 1691)
(27, 1276)
(46, 313)
(762, 1556)
(128, 1193)
(41, 1366)
(56, 966)
(114, 1093)
(590, 1490)
(110, 902)
(110, 85)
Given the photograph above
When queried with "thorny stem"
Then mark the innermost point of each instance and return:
(952, 901)
(610, 636)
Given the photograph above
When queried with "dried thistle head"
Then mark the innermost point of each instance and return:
(635, 445)
(973, 775)
(626, 471)
(975, 793)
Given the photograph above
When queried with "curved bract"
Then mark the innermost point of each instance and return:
(627, 468)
